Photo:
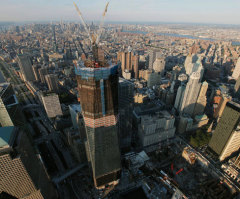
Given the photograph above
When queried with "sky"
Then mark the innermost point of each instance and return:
(186, 11)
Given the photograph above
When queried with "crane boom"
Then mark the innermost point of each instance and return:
(83, 22)
(101, 24)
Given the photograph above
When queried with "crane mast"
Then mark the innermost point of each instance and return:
(83, 22)
(95, 37)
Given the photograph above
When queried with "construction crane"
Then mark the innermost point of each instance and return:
(101, 24)
(83, 22)
(95, 37)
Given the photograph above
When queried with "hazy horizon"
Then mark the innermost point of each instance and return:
(137, 11)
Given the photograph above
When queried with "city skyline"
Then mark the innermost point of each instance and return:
(186, 11)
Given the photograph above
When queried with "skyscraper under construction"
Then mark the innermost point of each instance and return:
(98, 92)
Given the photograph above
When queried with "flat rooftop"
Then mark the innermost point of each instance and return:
(6, 136)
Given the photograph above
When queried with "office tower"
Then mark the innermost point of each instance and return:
(193, 64)
(52, 105)
(129, 61)
(190, 94)
(188, 65)
(202, 100)
(10, 111)
(126, 100)
(153, 55)
(153, 79)
(54, 41)
(159, 65)
(226, 137)
(98, 92)
(21, 173)
(179, 97)
(236, 71)
(42, 73)
(223, 100)
(25, 66)
(135, 66)
(123, 61)
(52, 82)
(36, 72)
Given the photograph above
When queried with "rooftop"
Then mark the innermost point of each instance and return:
(6, 136)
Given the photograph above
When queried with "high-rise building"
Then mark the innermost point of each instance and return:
(236, 71)
(154, 79)
(10, 111)
(25, 66)
(98, 92)
(126, 100)
(52, 105)
(190, 94)
(43, 72)
(136, 66)
(201, 100)
(226, 137)
(21, 172)
(52, 82)
(159, 65)
(193, 64)
(129, 62)
(153, 55)
(36, 72)
(179, 97)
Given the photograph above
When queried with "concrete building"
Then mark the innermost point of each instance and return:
(25, 66)
(155, 128)
(226, 137)
(159, 65)
(36, 72)
(190, 94)
(201, 100)
(154, 79)
(236, 71)
(52, 105)
(52, 82)
(22, 174)
(99, 103)
(43, 72)
(153, 55)
(10, 111)
(179, 97)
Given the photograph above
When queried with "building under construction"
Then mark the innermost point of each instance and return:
(98, 92)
